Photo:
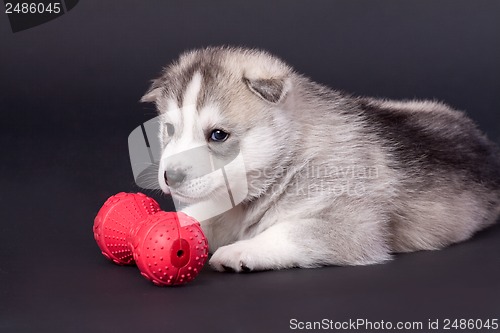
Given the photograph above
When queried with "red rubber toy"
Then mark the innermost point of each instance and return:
(168, 247)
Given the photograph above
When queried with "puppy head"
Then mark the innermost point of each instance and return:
(221, 109)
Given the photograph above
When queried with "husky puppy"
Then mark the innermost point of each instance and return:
(332, 179)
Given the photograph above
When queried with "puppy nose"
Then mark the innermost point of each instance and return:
(174, 177)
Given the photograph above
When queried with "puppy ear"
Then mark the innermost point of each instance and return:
(153, 93)
(271, 90)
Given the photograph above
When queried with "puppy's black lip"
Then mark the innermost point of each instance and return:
(245, 269)
(228, 269)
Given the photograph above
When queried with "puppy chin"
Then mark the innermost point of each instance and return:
(182, 195)
(188, 199)
(209, 194)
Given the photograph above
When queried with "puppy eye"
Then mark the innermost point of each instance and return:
(218, 135)
(170, 129)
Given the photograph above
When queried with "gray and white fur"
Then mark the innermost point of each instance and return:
(332, 179)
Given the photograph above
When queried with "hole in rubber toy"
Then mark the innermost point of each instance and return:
(179, 253)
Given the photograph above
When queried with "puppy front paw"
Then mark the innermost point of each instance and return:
(237, 257)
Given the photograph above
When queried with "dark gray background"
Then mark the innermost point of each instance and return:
(69, 92)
